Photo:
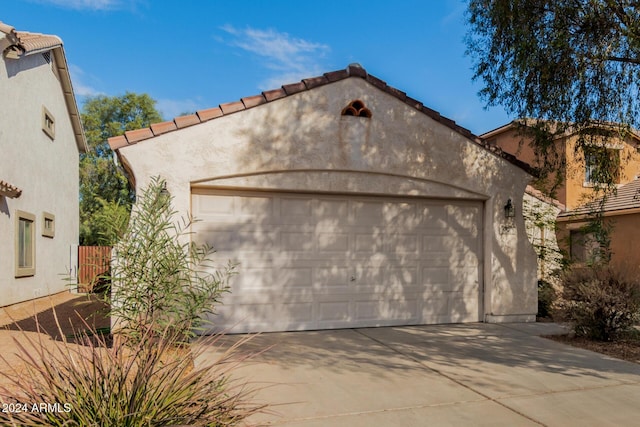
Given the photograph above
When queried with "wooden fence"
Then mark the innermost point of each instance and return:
(93, 262)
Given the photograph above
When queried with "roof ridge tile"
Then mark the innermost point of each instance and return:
(185, 121)
(231, 107)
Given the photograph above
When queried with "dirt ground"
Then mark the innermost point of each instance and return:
(63, 314)
(625, 349)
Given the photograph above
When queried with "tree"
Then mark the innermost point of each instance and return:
(563, 65)
(571, 61)
(104, 190)
(568, 63)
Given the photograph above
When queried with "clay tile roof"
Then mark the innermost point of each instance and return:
(274, 94)
(138, 135)
(9, 190)
(353, 70)
(541, 196)
(253, 101)
(232, 107)
(35, 42)
(209, 114)
(627, 197)
(188, 120)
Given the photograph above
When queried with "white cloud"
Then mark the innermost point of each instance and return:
(88, 4)
(79, 81)
(171, 108)
(290, 57)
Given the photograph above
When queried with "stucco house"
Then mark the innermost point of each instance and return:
(577, 188)
(346, 203)
(622, 212)
(40, 139)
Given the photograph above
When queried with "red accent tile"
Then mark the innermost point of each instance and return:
(184, 121)
(334, 76)
(271, 95)
(292, 88)
(253, 101)
(209, 114)
(315, 82)
(231, 107)
(138, 135)
(164, 127)
(117, 142)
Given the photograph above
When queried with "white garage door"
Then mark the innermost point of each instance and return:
(323, 261)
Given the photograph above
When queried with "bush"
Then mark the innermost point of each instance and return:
(599, 302)
(546, 299)
(158, 280)
(147, 383)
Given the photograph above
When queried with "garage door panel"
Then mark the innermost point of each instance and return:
(392, 311)
(310, 262)
(332, 276)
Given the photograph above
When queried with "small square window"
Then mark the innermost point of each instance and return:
(48, 224)
(48, 123)
(585, 249)
(25, 244)
(601, 165)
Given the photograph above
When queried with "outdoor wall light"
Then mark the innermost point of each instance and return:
(164, 192)
(509, 210)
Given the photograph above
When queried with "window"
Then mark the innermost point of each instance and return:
(601, 165)
(48, 224)
(25, 245)
(48, 123)
(585, 248)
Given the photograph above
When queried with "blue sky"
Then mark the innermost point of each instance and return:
(196, 54)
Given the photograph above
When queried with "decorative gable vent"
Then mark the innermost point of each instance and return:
(356, 108)
(47, 57)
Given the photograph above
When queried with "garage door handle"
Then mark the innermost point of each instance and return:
(353, 278)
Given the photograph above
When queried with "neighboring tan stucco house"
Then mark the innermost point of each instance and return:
(346, 203)
(622, 212)
(577, 187)
(40, 141)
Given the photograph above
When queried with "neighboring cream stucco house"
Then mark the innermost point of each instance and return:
(40, 140)
(346, 203)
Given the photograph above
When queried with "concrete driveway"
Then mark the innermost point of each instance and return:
(445, 375)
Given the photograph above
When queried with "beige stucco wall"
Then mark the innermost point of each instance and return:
(302, 143)
(45, 170)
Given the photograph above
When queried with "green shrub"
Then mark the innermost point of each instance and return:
(546, 299)
(159, 279)
(150, 382)
(599, 302)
